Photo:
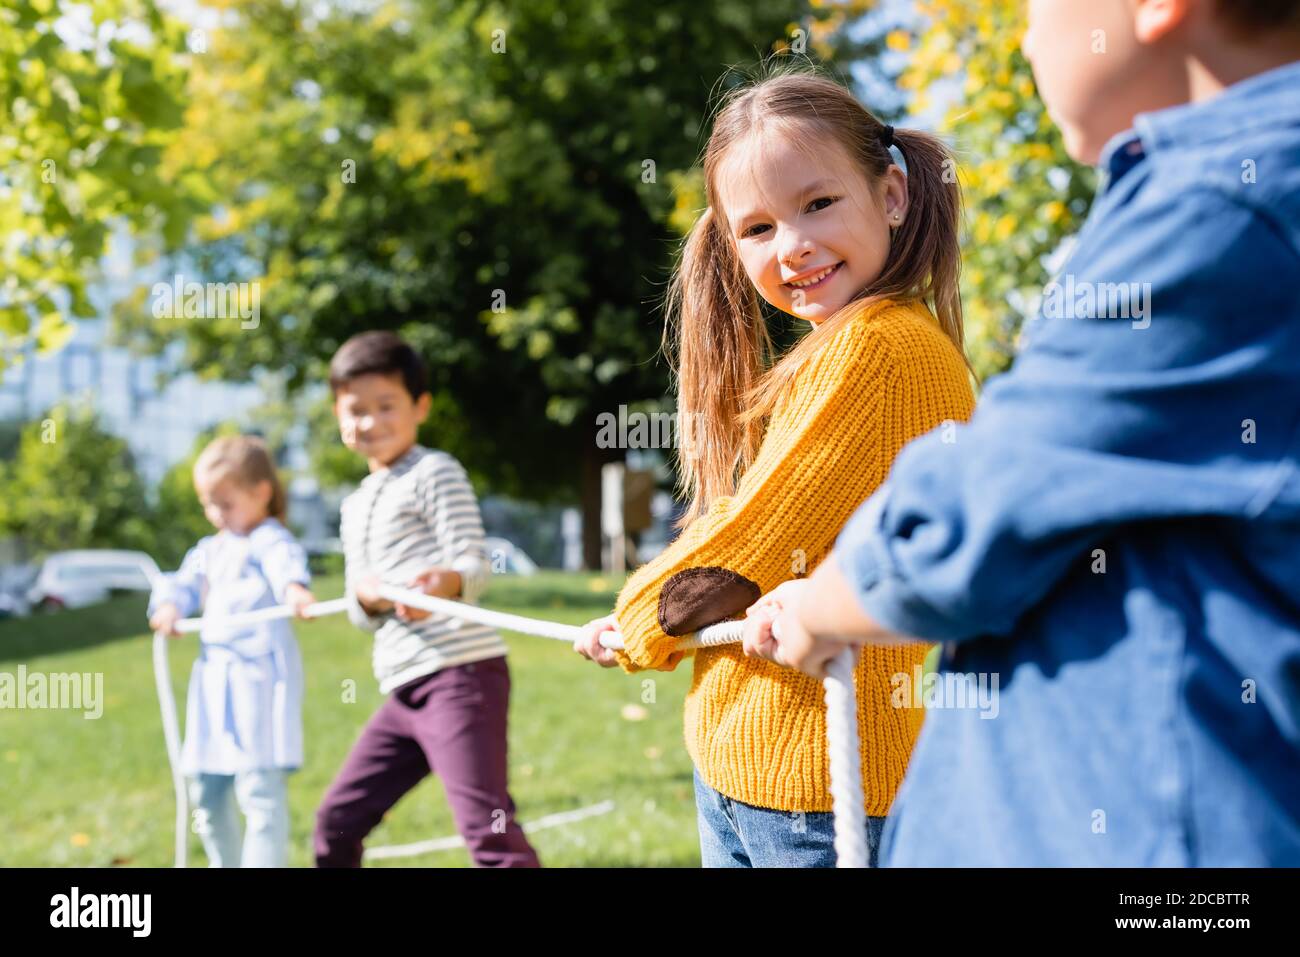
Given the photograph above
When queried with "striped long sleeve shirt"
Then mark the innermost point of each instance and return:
(418, 513)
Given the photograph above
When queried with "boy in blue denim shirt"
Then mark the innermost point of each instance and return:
(1115, 537)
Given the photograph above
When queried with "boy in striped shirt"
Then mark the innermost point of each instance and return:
(415, 521)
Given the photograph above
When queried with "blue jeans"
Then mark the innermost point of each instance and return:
(263, 796)
(734, 834)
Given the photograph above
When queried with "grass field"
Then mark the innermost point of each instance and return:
(97, 792)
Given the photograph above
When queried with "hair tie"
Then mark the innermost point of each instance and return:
(887, 136)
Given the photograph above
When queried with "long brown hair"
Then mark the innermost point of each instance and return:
(725, 388)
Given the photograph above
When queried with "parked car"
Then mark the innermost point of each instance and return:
(506, 557)
(79, 578)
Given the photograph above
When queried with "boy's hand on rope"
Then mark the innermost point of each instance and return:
(588, 643)
(367, 592)
(298, 598)
(438, 582)
(165, 618)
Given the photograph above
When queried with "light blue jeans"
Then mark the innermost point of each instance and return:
(734, 834)
(263, 797)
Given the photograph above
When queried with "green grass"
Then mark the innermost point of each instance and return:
(96, 793)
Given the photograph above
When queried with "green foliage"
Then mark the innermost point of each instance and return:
(73, 485)
(497, 181)
(85, 130)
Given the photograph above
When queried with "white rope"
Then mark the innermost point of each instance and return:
(841, 700)
(845, 762)
(455, 840)
(321, 608)
(171, 733)
(725, 633)
(480, 616)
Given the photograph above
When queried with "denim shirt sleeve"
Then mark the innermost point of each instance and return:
(1188, 411)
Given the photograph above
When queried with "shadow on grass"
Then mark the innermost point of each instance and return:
(56, 632)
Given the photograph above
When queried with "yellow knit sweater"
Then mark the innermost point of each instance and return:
(756, 730)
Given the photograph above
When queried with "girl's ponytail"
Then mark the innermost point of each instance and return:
(924, 257)
(722, 345)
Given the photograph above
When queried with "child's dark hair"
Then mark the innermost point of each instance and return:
(379, 352)
(722, 344)
(1257, 15)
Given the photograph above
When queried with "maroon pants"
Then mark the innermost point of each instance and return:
(453, 723)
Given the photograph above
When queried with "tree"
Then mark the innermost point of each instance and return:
(504, 183)
(86, 122)
(73, 485)
(1023, 194)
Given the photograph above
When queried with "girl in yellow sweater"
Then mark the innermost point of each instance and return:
(806, 209)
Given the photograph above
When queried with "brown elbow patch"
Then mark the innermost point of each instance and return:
(699, 597)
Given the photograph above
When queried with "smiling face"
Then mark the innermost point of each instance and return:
(810, 230)
(227, 504)
(378, 418)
